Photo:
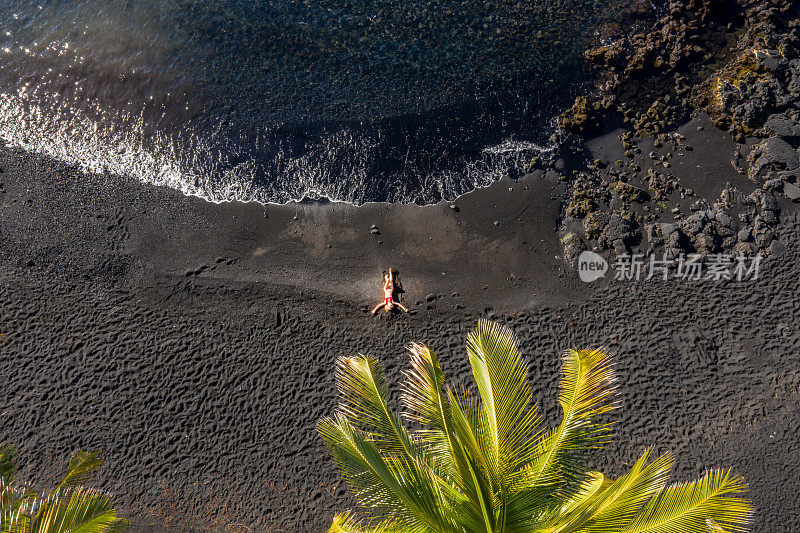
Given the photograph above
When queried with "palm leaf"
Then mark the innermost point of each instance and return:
(483, 466)
(80, 469)
(77, 510)
(69, 508)
(391, 488)
(703, 505)
(507, 424)
(345, 523)
(626, 496)
(585, 391)
(8, 463)
(363, 401)
(426, 404)
(602, 504)
(14, 496)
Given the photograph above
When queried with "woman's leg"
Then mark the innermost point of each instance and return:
(398, 304)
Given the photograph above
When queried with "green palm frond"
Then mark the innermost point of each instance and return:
(363, 401)
(477, 483)
(426, 404)
(346, 523)
(626, 496)
(8, 463)
(705, 504)
(74, 510)
(482, 464)
(13, 495)
(69, 508)
(508, 425)
(585, 392)
(80, 469)
(406, 489)
(602, 504)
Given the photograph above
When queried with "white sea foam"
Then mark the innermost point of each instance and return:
(335, 167)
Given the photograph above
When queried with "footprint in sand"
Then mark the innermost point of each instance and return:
(218, 262)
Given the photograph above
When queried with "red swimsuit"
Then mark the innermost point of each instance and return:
(387, 293)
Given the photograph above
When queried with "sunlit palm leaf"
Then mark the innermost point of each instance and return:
(586, 387)
(80, 468)
(602, 504)
(626, 496)
(484, 467)
(78, 510)
(13, 495)
(67, 509)
(447, 441)
(426, 403)
(363, 396)
(345, 523)
(695, 506)
(405, 490)
(507, 423)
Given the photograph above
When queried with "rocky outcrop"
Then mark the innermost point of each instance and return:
(656, 76)
(736, 60)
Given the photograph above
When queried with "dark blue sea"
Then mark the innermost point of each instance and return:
(277, 100)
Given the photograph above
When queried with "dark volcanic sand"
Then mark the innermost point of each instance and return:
(204, 388)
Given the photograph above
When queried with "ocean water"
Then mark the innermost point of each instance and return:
(277, 100)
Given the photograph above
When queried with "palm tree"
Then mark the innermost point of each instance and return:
(487, 465)
(69, 507)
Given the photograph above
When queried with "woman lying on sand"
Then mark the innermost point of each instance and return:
(388, 295)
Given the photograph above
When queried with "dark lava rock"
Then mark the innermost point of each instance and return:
(782, 126)
(666, 235)
(772, 154)
(573, 246)
(770, 217)
(695, 223)
(745, 235)
(791, 191)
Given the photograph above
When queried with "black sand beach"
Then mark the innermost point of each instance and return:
(195, 342)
